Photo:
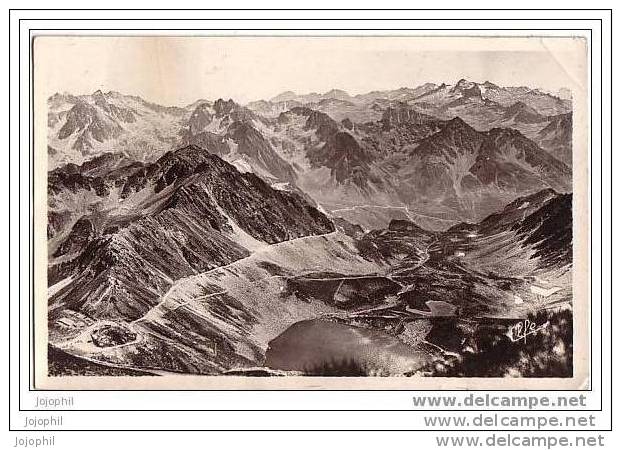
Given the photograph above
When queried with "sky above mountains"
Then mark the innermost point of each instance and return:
(178, 70)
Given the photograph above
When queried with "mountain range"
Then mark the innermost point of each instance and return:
(321, 147)
(187, 239)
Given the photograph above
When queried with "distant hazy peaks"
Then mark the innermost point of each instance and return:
(490, 85)
(198, 102)
(564, 94)
(338, 94)
(284, 97)
(223, 107)
(465, 84)
(200, 118)
(467, 88)
(313, 97)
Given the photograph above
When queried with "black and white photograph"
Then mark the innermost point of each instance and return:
(310, 209)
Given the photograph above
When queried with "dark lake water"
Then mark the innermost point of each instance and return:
(311, 344)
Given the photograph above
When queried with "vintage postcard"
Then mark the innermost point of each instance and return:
(311, 212)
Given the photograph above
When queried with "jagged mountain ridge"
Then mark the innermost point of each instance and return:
(481, 103)
(449, 169)
(81, 127)
(506, 96)
(200, 213)
(464, 90)
(348, 163)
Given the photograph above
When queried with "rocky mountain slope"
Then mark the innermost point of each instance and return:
(188, 212)
(556, 138)
(390, 281)
(449, 170)
(84, 126)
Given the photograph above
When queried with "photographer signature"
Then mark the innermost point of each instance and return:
(525, 328)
